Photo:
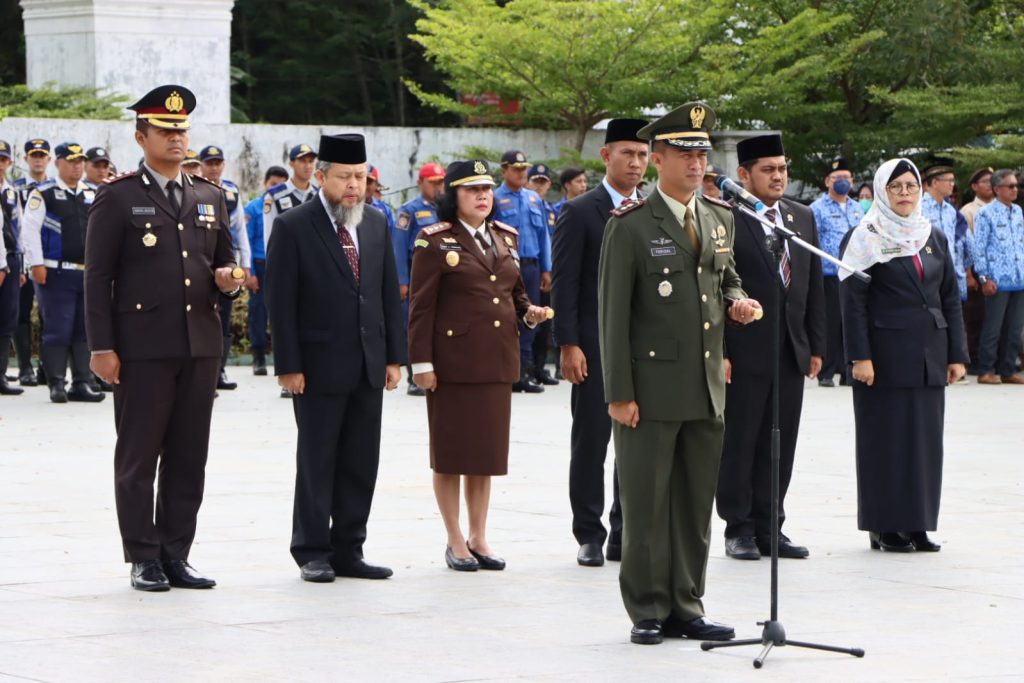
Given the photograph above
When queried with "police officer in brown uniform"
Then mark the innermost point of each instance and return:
(158, 253)
(467, 298)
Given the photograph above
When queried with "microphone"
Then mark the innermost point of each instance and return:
(725, 184)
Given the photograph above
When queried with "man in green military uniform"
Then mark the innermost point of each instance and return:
(667, 286)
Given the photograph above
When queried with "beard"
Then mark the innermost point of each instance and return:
(345, 216)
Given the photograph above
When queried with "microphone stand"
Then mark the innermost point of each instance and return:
(773, 633)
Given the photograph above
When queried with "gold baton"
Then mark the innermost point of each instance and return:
(758, 313)
(551, 314)
(238, 274)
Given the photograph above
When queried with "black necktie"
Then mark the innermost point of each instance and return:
(488, 254)
(172, 198)
(785, 270)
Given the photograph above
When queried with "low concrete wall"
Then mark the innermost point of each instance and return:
(398, 152)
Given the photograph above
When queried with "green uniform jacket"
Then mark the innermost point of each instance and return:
(662, 309)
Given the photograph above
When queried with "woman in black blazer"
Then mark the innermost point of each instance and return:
(904, 343)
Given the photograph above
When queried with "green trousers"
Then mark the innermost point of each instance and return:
(668, 473)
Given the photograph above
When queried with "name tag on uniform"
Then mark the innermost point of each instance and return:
(451, 247)
(663, 251)
(285, 202)
(59, 195)
(424, 214)
(505, 200)
(88, 196)
(894, 250)
(143, 210)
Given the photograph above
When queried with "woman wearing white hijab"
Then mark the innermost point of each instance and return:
(904, 343)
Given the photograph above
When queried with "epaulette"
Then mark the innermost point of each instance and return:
(506, 227)
(631, 205)
(21, 182)
(45, 185)
(434, 229)
(205, 180)
(229, 185)
(717, 201)
(120, 176)
(278, 191)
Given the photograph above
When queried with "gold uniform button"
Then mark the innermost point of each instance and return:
(494, 278)
(704, 297)
(188, 283)
(707, 354)
(181, 226)
(188, 307)
(651, 354)
(497, 323)
(449, 333)
(707, 326)
(495, 301)
(138, 307)
(184, 254)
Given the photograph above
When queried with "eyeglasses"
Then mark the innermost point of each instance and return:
(1014, 186)
(901, 188)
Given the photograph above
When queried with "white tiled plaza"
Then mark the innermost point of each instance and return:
(67, 612)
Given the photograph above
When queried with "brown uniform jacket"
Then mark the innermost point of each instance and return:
(149, 285)
(463, 313)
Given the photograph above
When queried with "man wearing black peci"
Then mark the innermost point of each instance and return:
(576, 251)
(339, 340)
(157, 256)
(744, 480)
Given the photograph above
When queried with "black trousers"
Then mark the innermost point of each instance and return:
(835, 360)
(541, 339)
(336, 473)
(591, 432)
(162, 411)
(744, 498)
(10, 293)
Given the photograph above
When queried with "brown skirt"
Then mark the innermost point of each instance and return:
(469, 428)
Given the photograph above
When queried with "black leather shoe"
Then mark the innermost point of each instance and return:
(5, 388)
(526, 385)
(700, 628)
(545, 378)
(361, 570)
(787, 548)
(890, 541)
(826, 382)
(646, 632)
(224, 383)
(83, 393)
(182, 575)
(148, 575)
(28, 379)
(57, 392)
(921, 542)
(317, 571)
(259, 362)
(415, 390)
(487, 561)
(742, 548)
(590, 555)
(460, 564)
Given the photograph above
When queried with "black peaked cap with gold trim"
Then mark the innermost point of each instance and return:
(166, 106)
(468, 174)
(688, 127)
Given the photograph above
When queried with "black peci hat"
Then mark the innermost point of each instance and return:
(624, 130)
(347, 148)
(760, 147)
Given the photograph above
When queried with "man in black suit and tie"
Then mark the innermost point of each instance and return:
(576, 250)
(744, 480)
(339, 339)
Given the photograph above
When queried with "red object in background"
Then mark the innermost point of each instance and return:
(508, 108)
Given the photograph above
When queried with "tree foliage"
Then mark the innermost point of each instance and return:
(51, 102)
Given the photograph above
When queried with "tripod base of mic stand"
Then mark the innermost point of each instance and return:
(774, 635)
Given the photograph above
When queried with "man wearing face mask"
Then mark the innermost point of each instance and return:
(339, 340)
(835, 215)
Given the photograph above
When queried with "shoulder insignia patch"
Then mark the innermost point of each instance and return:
(120, 176)
(506, 227)
(205, 180)
(403, 221)
(46, 185)
(717, 202)
(34, 201)
(434, 229)
(623, 209)
(421, 243)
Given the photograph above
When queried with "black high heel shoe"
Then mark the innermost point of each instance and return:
(920, 541)
(459, 564)
(890, 541)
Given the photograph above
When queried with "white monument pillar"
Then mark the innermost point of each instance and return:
(132, 46)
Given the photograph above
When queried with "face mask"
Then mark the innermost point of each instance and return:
(841, 186)
(865, 204)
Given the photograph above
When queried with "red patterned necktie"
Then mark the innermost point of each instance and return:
(350, 250)
(784, 267)
(919, 266)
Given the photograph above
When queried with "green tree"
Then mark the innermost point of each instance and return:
(570, 64)
(869, 79)
(51, 102)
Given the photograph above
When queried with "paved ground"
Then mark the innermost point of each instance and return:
(67, 613)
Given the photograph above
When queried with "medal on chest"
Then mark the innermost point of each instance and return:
(664, 289)
(452, 258)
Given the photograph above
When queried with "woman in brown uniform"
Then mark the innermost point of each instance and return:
(466, 298)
